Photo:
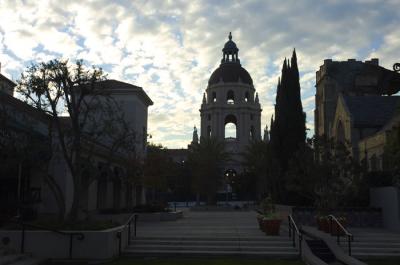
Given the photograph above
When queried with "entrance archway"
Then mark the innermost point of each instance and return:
(230, 127)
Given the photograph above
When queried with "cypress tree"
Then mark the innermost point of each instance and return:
(288, 130)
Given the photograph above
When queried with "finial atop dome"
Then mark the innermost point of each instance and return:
(230, 51)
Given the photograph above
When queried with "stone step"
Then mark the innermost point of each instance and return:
(139, 248)
(375, 244)
(367, 255)
(198, 253)
(211, 242)
(373, 250)
(212, 238)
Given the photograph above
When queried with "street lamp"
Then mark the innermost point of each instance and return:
(229, 179)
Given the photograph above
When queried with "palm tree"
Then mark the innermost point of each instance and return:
(206, 160)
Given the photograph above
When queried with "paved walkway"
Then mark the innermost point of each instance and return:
(215, 224)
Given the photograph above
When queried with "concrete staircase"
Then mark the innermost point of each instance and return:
(209, 234)
(8, 257)
(373, 243)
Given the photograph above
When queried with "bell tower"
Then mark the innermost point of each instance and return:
(230, 110)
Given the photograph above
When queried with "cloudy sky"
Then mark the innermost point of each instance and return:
(170, 48)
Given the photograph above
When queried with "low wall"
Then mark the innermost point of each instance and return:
(96, 246)
(356, 217)
(160, 216)
(387, 198)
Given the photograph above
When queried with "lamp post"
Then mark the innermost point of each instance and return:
(229, 179)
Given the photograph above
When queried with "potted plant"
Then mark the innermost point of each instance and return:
(271, 221)
(322, 223)
(260, 218)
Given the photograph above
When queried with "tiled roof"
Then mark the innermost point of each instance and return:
(372, 111)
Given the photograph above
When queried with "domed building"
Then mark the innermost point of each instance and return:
(230, 110)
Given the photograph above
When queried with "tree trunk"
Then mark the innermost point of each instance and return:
(58, 195)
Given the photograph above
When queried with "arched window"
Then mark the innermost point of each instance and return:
(214, 97)
(246, 96)
(209, 131)
(252, 132)
(340, 135)
(230, 97)
(373, 163)
(230, 127)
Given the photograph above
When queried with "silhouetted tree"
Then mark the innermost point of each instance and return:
(260, 162)
(206, 161)
(288, 130)
(158, 166)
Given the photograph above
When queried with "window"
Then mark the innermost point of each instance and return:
(209, 131)
(374, 163)
(214, 97)
(246, 97)
(340, 134)
(252, 132)
(230, 97)
(230, 127)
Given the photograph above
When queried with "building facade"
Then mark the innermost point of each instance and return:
(39, 187)
(355, 105)
(230, 110)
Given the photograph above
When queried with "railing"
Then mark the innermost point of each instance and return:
(350, 236)
(293, 229)
(133, 218)
(79, 236)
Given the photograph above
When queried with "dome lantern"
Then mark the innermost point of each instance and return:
(230, 51)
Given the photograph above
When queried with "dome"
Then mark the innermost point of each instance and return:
(230, 45)
(230, 72)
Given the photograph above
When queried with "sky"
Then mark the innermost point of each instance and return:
(170, 48)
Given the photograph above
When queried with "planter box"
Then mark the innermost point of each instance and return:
(271, 227)
(323, 224)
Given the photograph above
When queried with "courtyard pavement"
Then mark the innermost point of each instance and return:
(232, 224)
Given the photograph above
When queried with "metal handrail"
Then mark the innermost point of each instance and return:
(79, 236)
(134, 218)
(293, 226)
(349, 235)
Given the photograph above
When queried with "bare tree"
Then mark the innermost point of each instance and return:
(84, 117)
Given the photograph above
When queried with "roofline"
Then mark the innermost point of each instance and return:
(8, 80)
(21, 105)
(129, 89)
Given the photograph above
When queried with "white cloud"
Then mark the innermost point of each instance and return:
(171, 47)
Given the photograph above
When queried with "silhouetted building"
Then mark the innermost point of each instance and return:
(354, 105)
(230, 110)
